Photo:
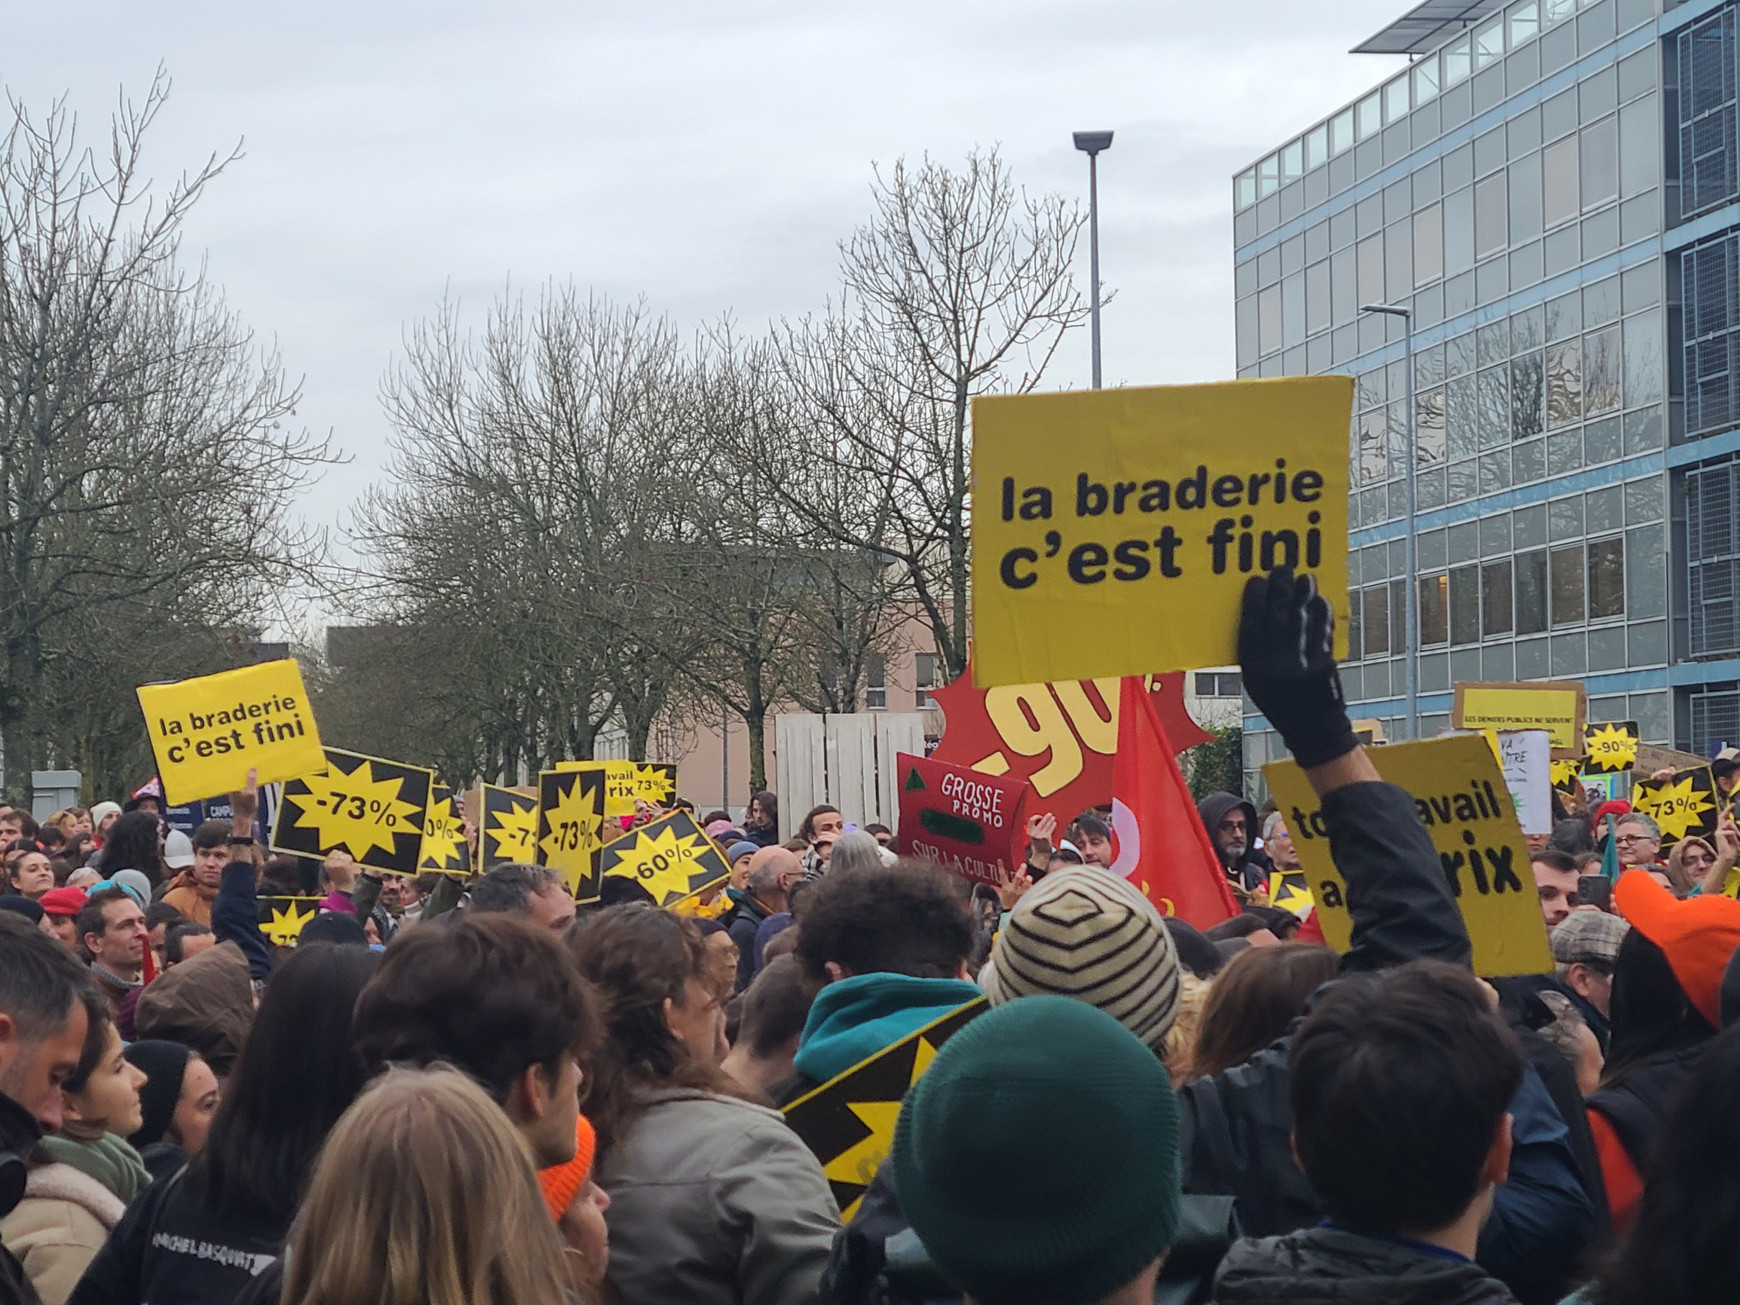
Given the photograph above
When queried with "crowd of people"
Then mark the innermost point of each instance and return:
(469, 1090)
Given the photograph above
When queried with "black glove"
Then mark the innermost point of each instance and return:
(1287, 654)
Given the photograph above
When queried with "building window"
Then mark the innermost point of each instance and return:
(875, 682)
(1708, 291)
(1713, 559)
(1219, 684)
(1715, 720)
(924, 679)
(1707, 113)
(1434, 611)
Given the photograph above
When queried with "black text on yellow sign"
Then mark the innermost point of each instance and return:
(1460, 797)
(508, 826)
(848, 1122)
(671, 857)
(444, 845)
(571, 828)
(368, 807)
(207, 733)
(1139, 515)
(1611, 746)
(1685, 806)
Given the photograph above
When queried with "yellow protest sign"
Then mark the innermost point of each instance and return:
(508, 828)
(281, 918)
(1114, 530)
(207, 733)
(371, 808)
(1565, 774)
(671, 857)
(1611, 747)
(444, 846)
(1460, 795)
(624, 781)
(571, 827)
(1558, 707)
(848, 1122)
(1683, 806)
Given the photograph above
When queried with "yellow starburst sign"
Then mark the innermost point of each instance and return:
(1611, 747)
(1565, 773)
(672, 858)
(848, 1122)
(1682, 806)
(508, 828)
(372, 808)
(444, 845)
(626, 781)
(571, 827)
(282, 918)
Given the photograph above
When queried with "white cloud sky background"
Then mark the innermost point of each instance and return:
(706, 155)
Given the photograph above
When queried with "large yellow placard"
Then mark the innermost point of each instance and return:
(207, 733)
(1114, 530)
(1461, 797)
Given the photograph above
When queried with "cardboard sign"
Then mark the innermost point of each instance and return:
(281, 918)
(848, 1122)
(508, 827)
(1114, 530)
(972, 824)
(1558, 707)
(1611, 747)
(571, 827)
(444, 845)
(207, 733)
(1684, 806)
(671, 857)
(1058, 737)
(371, 808)
(1524, 757)
(1460, 796)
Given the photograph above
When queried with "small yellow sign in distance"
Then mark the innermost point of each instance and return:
(1558, 707)
(508, 826)
(1114, 530)
(207, 733)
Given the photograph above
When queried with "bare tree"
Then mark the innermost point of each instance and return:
(958, 286)
(146, 472)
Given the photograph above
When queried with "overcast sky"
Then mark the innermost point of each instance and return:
(706, 155)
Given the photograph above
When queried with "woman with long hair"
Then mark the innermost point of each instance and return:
(761, 821)
(424, 1192)
(713, 1199)
(135, 842)
(1254, 1000)
(202, 1234)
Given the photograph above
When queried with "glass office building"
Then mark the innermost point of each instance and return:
(1552, 187)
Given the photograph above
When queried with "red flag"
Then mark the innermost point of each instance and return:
(1162, 847)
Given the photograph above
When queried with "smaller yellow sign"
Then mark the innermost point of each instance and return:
(508, 829)
(1611, 745)
(369, 807)
(1556, 707)
(571, 827)
(207, 733)
(1684, 806)
(624, 781)
(445, 848)
(1461, 798)
(282, 918)
(672, 858)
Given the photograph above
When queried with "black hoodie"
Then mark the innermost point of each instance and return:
(1251, 870)
(1318, 1266)
(19, 1134)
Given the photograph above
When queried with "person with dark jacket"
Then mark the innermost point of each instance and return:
(1235, 1127)
(772, 872)
(1232, 828)
(1400, 1085)
(201, 1235)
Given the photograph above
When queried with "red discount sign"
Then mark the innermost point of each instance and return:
(973, 824)
(1058, 737)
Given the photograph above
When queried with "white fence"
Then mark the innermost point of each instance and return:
(844, 760)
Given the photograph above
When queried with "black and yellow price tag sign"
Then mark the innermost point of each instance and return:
(281, 918)
(507, 827)
(1683, 806)
(571, 827)
(371, 808)
(671, 857)
(444, 845)
(1611, 747)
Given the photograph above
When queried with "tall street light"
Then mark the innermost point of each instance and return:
(1092, 142)
(1411, 590)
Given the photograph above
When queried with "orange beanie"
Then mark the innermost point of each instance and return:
(562, 1183)
(1698, 935)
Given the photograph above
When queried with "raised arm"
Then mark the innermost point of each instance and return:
(235, 912)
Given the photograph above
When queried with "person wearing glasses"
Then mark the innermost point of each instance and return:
(1639, 840)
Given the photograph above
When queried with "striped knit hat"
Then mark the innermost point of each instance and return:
(1089, 934)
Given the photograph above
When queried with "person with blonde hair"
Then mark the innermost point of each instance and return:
(425, 1192)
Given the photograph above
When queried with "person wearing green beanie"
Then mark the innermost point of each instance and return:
(1037, 1158)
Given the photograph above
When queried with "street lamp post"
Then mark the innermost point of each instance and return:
(1091, 143)
(1411, 590)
